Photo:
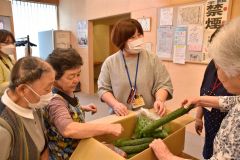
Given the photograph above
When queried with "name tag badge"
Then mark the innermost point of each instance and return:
(138, 102)
(131, 95)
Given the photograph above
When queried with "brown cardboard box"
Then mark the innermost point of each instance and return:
(93, 149)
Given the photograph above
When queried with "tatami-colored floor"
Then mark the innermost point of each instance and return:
(193, 143)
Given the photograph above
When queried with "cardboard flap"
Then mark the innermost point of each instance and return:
(91, 149)
(113, 118)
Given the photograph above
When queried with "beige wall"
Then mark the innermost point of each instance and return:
(70, 11)
(186, 78)
(5, 8)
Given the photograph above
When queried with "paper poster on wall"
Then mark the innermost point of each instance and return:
(195, 38)
(216, 14)
(190, 14)
(82, 32)
(1, 25)
(180, 35)
(179, 54)
(62, 39)
(164, 42)
(166, 16)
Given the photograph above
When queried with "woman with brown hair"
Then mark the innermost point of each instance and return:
(7, 51)
(65, 116)
(132, 77)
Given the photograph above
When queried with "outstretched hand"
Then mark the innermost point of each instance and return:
(90, 108)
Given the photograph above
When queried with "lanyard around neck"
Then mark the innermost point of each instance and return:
(216, 85)
(126, 67)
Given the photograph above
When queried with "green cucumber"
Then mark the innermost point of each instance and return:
(132, 142)
(160, 134)
(134, 149)
(119, 141)
(158, 123)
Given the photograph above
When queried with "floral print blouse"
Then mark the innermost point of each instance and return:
(227, 140)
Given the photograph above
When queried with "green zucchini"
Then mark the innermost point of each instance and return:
(158, 123)
(135, 149)
(119, 141)
(160, 134)
(132, 142)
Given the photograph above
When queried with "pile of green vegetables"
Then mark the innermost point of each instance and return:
(146, 130)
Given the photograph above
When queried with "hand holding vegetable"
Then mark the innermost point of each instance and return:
(189, 101)
(120, 109)
(159, 107)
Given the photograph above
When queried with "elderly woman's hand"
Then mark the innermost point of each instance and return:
(198, 126)
(160, 149)
(189, 101)
(115, 129)
(90, 107)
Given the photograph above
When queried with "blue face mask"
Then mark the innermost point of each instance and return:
(43, 100)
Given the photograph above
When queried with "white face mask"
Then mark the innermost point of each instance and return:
(44, 100)
(9, 49)
(135, 46)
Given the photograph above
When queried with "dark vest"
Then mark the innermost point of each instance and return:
(23, 147)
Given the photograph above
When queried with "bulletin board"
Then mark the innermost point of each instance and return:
(183, 31)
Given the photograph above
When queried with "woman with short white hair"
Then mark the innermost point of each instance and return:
(225, 50)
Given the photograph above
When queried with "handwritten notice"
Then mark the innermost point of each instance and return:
(190, 14)
(195, 38)
(180, 35)
(179, 54)
(166, 16)
(164, 42)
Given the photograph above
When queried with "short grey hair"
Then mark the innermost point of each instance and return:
(225, 48)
